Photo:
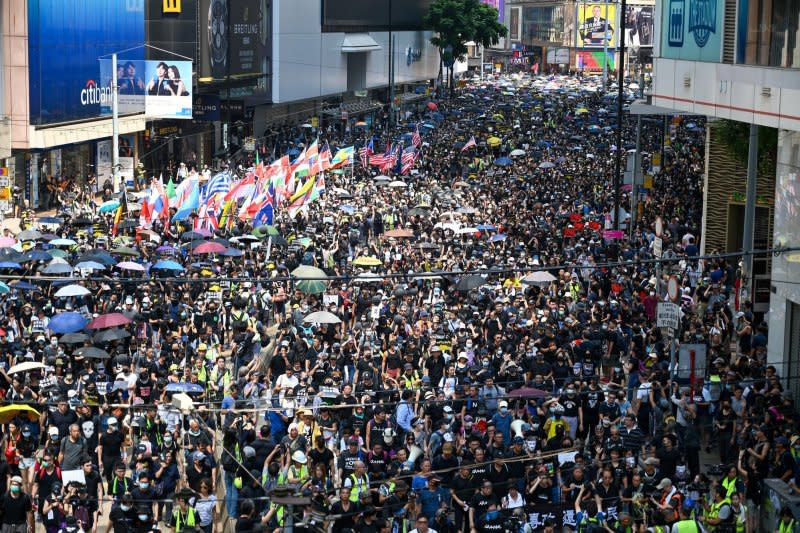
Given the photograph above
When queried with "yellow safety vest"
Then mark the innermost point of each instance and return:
(713, 512)
(359, 486)
(730, 486)
(410, 382)
(190, 520)
(687, 526)
(786, 528)
(741, 517)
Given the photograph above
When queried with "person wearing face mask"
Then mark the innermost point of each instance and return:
(491, 521)
(502, 420)
(123, 516)
(573, 412)
(109, 448)
(17, 506)
(144, 492)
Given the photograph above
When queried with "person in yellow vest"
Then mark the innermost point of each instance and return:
(739, 510)
(687, 524)
(719, 516)
(183, 515)
(358, 482)
(297, 472)
(786, 523)
(731, 483)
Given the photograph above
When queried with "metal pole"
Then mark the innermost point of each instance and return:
(289, 525)
(750, 211)
(391, 68)
(620, 118)
(605, 48)
(114, 123)
(483, 59)
(637, 168)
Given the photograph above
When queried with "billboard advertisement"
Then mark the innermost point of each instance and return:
(692, 30)
(499, 5)
(65, 42)
(234, 38)
(639, 26)
(592, 60)
(160, 89)
(373, 15)
(592, 25)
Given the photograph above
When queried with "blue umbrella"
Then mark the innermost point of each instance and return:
(57, 268)
(429, 126)
(349, 209)
(502, 161)
(4, 289)
(232, 252)
(486, 227)
(50, 220)
(167, 265)
(89, 265)
(185, 387)
(109, 206)
(38, 255)
(9, 264)
(498, 237)
(24, 286)
(67, 323)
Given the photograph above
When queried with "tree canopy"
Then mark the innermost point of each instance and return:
(457, 22)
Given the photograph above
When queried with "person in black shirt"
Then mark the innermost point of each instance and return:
(16, 509)
(462, 489)
(109, 449)
(320, 454)
(349, 510)
(123, 515)
(480, 503)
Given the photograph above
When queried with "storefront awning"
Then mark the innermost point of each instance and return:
(359, 42)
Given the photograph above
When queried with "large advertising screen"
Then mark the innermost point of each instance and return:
(174, 30)
(692, 29)
(639, 26)
(234, 38)
(374, 15)
(592, 21)
(158, 88)
(65, 43)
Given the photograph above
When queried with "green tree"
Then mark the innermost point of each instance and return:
(456, 22)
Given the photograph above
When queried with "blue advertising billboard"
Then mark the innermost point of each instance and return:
(66, 39)
(692, 30)
(160, 89)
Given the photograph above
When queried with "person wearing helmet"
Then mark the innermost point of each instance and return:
(297, 471)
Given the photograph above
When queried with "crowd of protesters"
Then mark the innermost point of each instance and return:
(460, 389)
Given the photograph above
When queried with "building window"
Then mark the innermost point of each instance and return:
(543, 23)
(767, 33)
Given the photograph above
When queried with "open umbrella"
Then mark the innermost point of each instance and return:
(232, 252)
(4, 289)
(468, 283)
(74, 338)
(309, 272)
(517, 153)
(51, 221)
(493, 142)
(503, 161)
(89, 265)
(29, 235)
(72, 290)
(528, 392)
(167, 265)
(57, 268)
(55, 252)
(125, 250)
(109, 320)
(188, 388)
(191, 236)
(7, 242)
(366, 260)
(398, 184)
(209, 248)
(23, 286)
(14, 411)
(540, 277)
(62, 242)
(68, 322)
(499, 237)
(91, 352)
(130, 265)
(27, 366)
(108, 335)
(547, 164)
(38, 255)
(109, 206)
(382, 179)
(322, 317)
(262, 232)
(432, 106)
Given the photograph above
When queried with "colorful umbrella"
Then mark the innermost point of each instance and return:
(109, 320)
(72, 290)
(67, 323)
(366, 260)
(209, 248)
(11, 412)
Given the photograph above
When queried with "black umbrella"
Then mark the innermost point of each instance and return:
(108, 335)
(191, 236)
(74, 338)
(92, 352)
(469, 283)
(82, 221)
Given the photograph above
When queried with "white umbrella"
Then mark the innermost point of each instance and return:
(540, 277)
(382, 179)
(72, 290)
(464, 231)
(322, 317)
(62, 242)
(467, 210)
(368, 277)
(25, 367)
(398, 184)
(517, 153)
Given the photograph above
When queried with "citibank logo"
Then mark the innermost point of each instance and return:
(94, 94)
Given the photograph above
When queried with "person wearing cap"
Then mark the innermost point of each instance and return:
(432, 498)
(17, 509)
(109, 448)
(670, 499)
(410, 379)
(349, 457)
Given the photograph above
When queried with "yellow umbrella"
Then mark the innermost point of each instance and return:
(498, 116)
(493, 141)
(366, 260)
(581, 111)
(10, 412)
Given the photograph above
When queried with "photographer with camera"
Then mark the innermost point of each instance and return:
(719, 515)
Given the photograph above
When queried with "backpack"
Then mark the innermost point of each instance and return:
(590, 525)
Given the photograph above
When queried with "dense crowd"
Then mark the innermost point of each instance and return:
(494, 364)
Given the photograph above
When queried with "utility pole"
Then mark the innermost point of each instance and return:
(605, 47)
(114, 123)
(620, 118)
(391, 68)
(749, 214)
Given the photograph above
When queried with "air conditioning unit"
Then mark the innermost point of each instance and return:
(766, 92)
(687, 81)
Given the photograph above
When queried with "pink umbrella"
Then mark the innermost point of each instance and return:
(130, 265)
(110, 320)
(210, 247)
(7, 242)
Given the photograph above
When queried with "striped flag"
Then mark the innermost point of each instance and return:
(366, 152)
(380, 160)
(220, 183)
(408, 159)
(415, 138)
(469, 144)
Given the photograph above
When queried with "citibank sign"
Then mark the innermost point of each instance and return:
(94, 94)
